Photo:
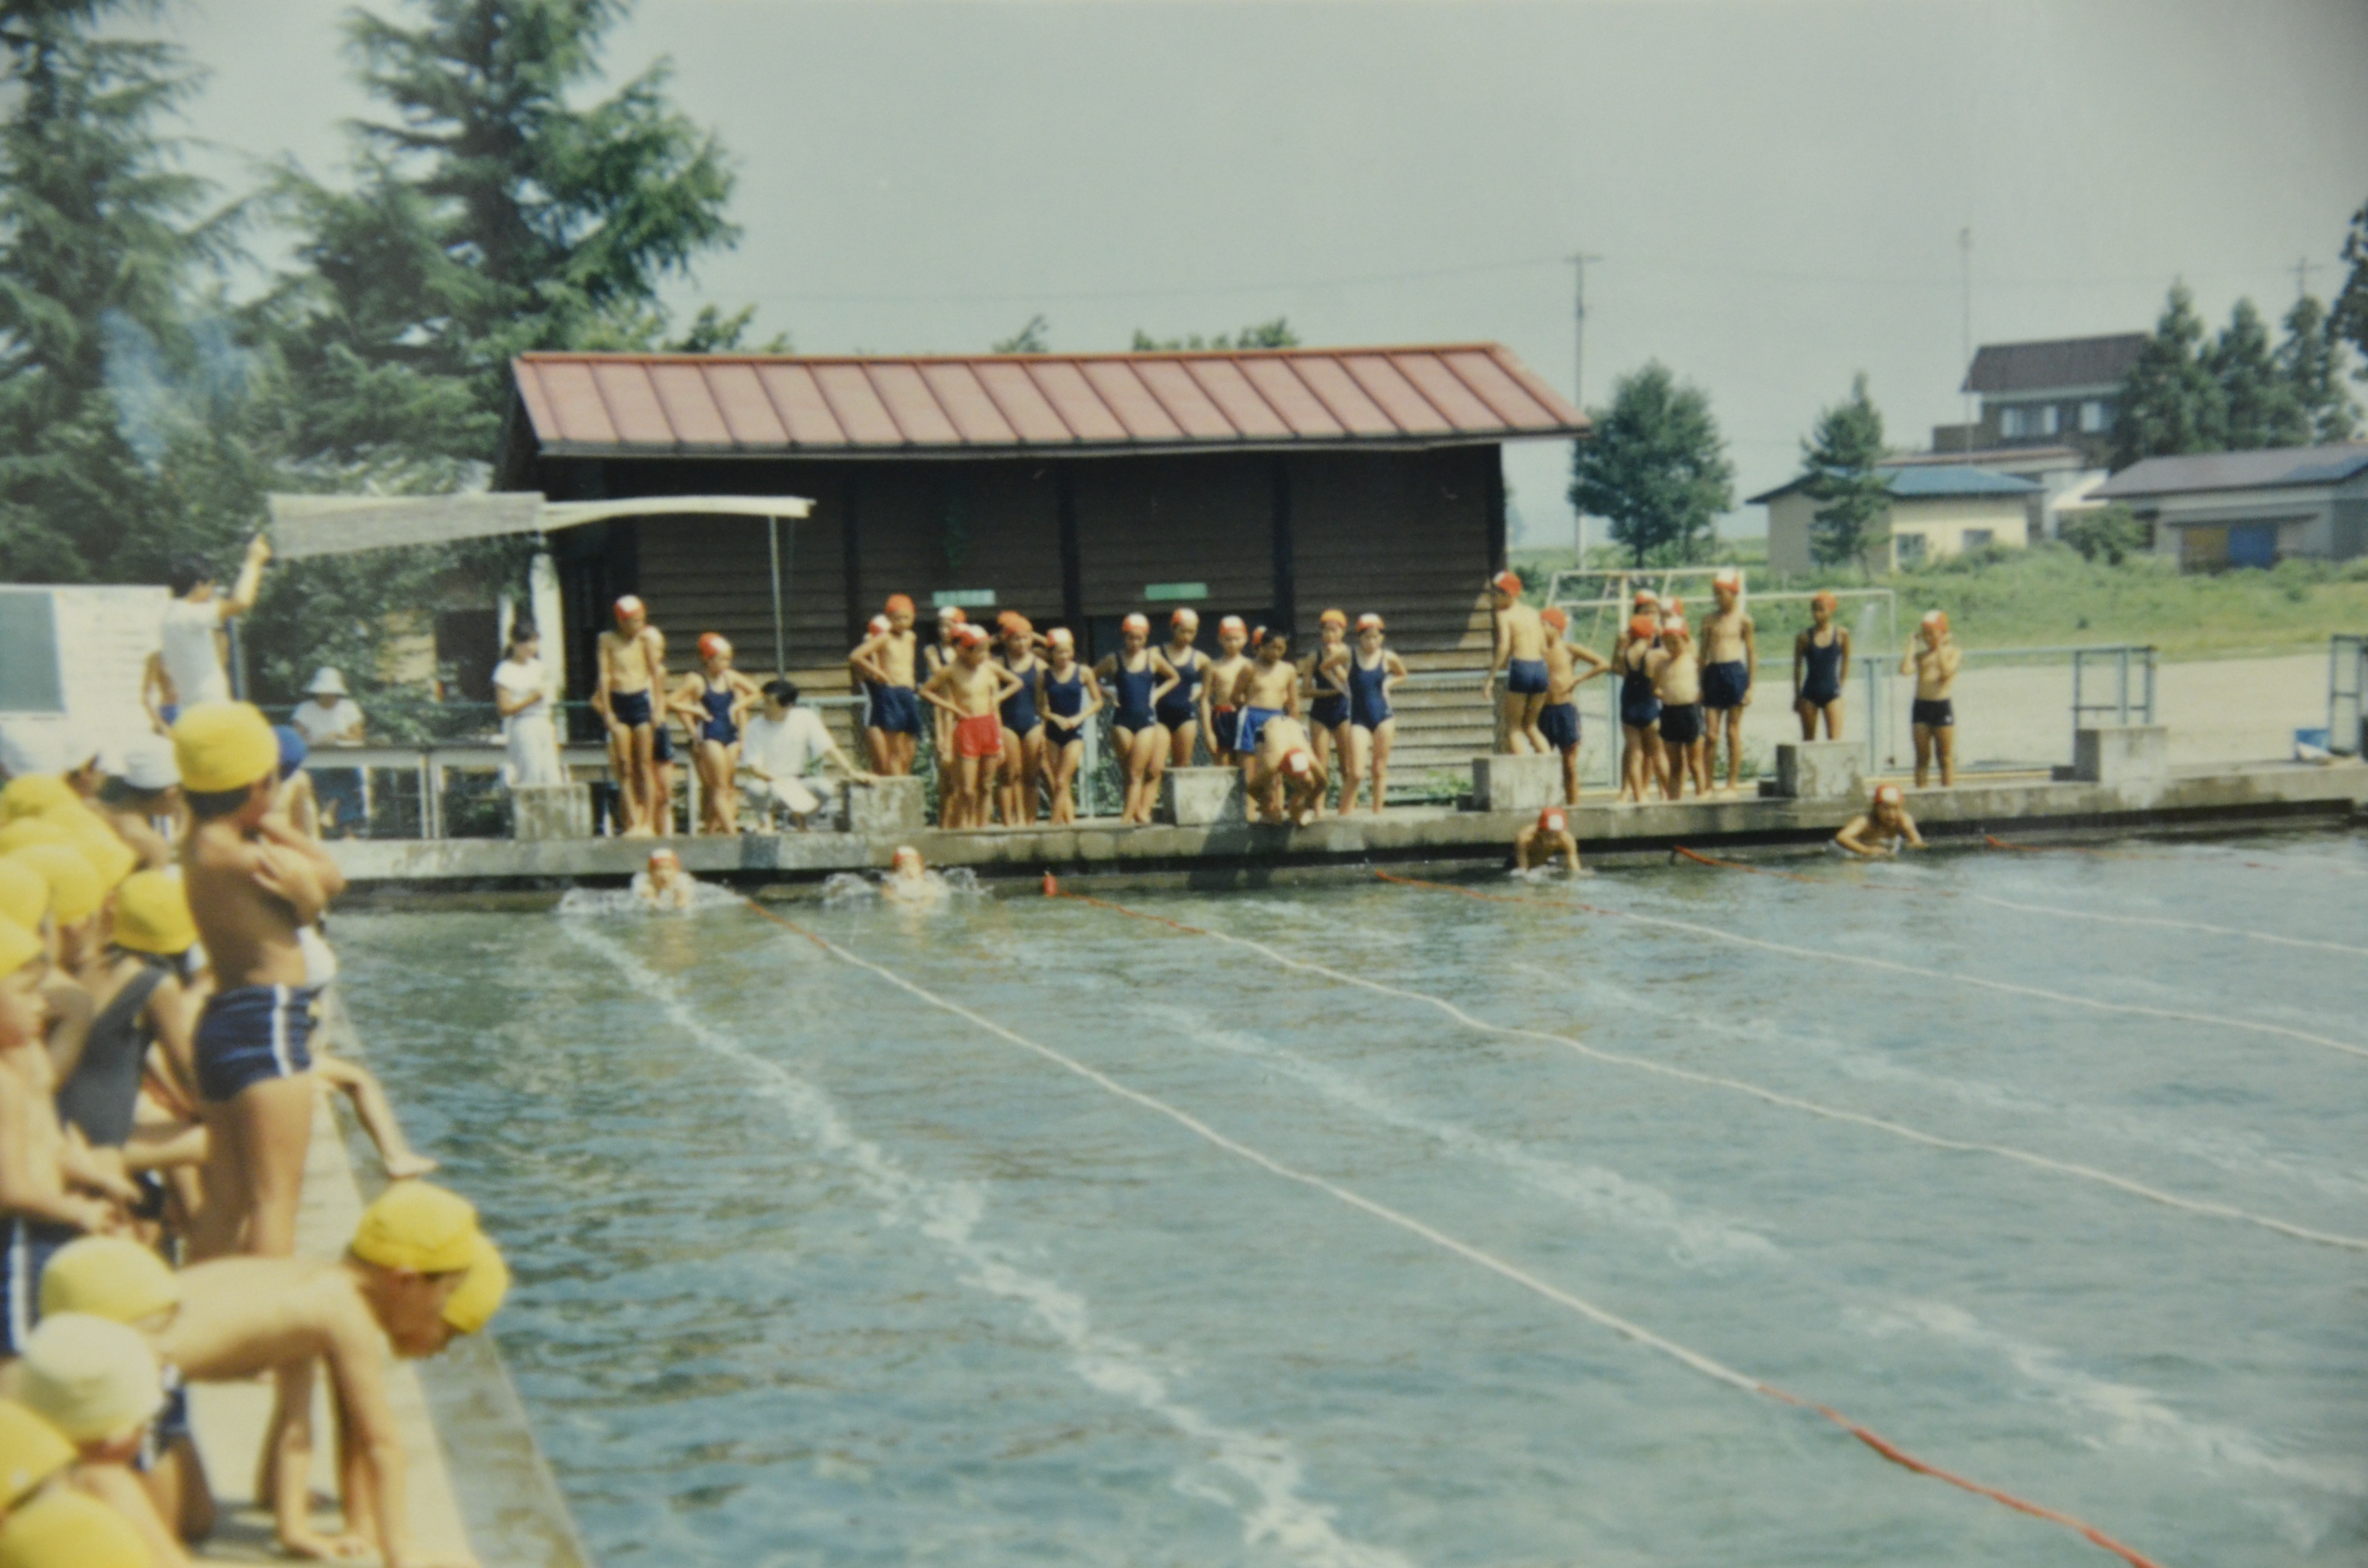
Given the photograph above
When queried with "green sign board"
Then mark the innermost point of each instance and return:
(962, 598)
(1161, 592)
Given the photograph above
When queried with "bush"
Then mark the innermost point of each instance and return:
(2111, 532)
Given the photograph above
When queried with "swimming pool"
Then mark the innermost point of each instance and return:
(813, 1270)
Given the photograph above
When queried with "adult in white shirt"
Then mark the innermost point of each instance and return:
(522, 696)
(333, 718)
(193, 622)
(780, 751)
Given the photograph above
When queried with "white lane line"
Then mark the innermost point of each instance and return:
(2167, 924)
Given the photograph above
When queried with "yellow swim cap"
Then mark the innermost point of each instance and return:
(36, 794)
(418, 1227)
(19, 947)
(90, 1378)
(152, 915)
(472, 1306)
(24, 894)
(222, 746)
(108, 855)
(30, 1452)
(74, 890)
(26, 832)
(108, 1276)
(67, 1529)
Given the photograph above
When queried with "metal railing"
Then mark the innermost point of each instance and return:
(2116, 661)
(2347, 679)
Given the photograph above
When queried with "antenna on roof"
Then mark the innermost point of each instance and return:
(1966, 279)
(2304, 268)
(1579, 382)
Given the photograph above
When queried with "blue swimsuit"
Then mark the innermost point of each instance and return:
(718, 726)
(1368, 697)
(1178, 708)
(1640, 705)
(1067, 699)
(1821, 680)
(1019, 714)
(1329, 709)
(1134, 696)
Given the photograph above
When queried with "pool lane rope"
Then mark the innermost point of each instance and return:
(2058, 910)
(1708, 1365)
(2201, 1206)
(1570, 906)
(1994, 841)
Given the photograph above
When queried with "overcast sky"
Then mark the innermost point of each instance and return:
(1775, 189)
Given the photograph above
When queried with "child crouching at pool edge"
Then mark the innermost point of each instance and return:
(1878, 834)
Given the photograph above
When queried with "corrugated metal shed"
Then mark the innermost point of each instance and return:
(2052, 364)
(2276, 467)
(774, 405)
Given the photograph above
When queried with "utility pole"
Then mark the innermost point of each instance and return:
(1578, 379)
(1966, 280)
(2304, 268)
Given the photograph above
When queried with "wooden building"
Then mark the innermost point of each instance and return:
(1073, 488)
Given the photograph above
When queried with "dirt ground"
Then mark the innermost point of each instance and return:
(2218, 710)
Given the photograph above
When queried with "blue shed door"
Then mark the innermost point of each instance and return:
(2253, 544)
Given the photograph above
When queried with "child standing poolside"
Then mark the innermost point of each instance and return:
(630, 684)
(970, 691)
(1558, 721)
(1521, 657)
(884, 661)
(253, 883)
(1935, 659)
(1223, 674)
(1821, 656)
(1070, 696)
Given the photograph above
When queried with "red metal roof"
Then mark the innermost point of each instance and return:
(687, 405)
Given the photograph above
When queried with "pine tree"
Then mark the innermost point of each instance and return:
(2347, 319)
(1838, 460)
(1656, 467)
(100, 234)
(2171, 402)
(2258, 407)
(489, 217)
(2311, 361)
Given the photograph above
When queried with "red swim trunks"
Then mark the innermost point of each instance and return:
(979, 736)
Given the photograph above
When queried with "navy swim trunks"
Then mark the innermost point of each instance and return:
(896, 709)
(253, 1033)
(1558, 723)
(1933, 715)
(1526, 677)
(1723, 684)
(1682, 723)
(632, 707)
(30, 1246)
(1225, 727)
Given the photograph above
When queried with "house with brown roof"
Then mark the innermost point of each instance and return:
(1073, 488)
(2210, 511)
(2058, 392)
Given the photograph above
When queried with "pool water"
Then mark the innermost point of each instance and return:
(810, 1270)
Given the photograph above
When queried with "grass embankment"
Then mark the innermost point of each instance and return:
(2048, 597)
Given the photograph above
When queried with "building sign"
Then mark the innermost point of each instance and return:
(1162, 593)
(962, 598)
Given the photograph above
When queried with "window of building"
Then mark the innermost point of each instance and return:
(2050, 420)
(1907, 550)
(2096, 417)
(1979, 539)
(30, 679)
(2011, 421)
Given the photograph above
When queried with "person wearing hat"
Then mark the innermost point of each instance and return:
(885, 661)
(192, 632)
(1879, 832)
(331, 718)
(1558, 720)
(65, 1529)
(1283, 780)
(1935, 657)
(72, 935)
(1521, 658)
(1821, 655)
(662, 884)
(631, 662)
(33, 1455)
(117, 1279)
(713, 701)
(412, 1256)
(253, 882)
(140, 800)
(971, 691)
(138, 999)
(97, 1382)
(1730, 652)
(1536, 844)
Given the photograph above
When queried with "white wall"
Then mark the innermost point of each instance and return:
(104, 636)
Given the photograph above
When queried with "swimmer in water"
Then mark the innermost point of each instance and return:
(1540, 842)
(1521, 657)
(1821, 656)
(1558, 720)
(886, 661)
(1324, 683)
(1934, 714)
(971, 691)
(1223, 674)
(1282, 779)
(1878, 835)
(1730, 652)
(908, 879)
(664, 885)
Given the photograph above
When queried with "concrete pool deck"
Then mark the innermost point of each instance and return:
(479, 1487)
(2215, 799)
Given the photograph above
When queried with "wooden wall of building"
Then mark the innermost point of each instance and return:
(1413, 536)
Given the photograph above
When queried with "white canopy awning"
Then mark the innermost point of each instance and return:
(304, 526)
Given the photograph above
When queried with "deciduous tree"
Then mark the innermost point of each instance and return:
(1275, 333)
(1655, 468)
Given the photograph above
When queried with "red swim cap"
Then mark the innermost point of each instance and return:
(1552, 615)
(1506, 582)
(713, 645)
(900, 602)
(1296, 760)
(1551, 819)
(1369, 621)
(1643, 628)
(629, 606)
(1333, 617)
(1136, 622)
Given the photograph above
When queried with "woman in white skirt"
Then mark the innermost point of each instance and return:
(522, 696)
